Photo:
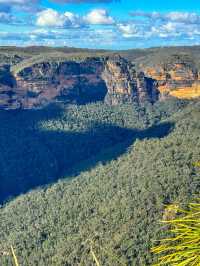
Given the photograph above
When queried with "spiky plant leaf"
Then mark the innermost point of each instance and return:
(182, 248)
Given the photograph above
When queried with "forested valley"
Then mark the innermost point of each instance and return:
(94, 176)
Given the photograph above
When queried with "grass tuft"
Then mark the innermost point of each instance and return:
(182, 247)
(14, 256)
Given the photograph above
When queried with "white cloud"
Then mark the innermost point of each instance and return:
(99, 16)
(157, 25)
(128, 30)
(184, 17)
(75, 20)
(169, 26)
(98, 28)
(52, 18)
(82, 37)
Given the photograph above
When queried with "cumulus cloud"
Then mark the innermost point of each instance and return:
(52, 18)
(99, 16)
(97, 28)
(174, 25)
(128, 30)
(184, 17)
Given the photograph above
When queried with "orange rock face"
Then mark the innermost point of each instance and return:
(179, 80)
(187, 92)
(157, 74)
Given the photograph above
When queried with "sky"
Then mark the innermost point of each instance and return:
(102, 24)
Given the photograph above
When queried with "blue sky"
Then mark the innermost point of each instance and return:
(105, 24)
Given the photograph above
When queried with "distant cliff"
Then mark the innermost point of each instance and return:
(178, 77)
(32, 77)
(112, 79)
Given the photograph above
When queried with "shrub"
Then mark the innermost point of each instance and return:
(182, 248)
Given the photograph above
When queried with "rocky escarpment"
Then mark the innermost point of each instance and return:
(179, 77)
(92, 79)
(67, 81)
(42, 83)
(126, 85)
(36, 79)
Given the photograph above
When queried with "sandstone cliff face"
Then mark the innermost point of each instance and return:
(68, 81)
(124, 84)
(177, 78)
(93, 79)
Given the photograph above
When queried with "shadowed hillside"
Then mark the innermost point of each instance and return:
(116, 201)
(33, 156)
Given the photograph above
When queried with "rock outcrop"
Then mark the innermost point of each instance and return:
(178, 78)
(35, 78)
(43, 83)
(93, 79)
(67, 81)
(124, 84)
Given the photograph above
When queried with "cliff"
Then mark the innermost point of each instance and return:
(66, 81)
(179, 77)
(35, 76)
(124, 84)
(112, 79)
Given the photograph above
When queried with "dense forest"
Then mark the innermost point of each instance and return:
(94, 176)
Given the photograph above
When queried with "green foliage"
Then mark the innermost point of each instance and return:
(114, 189)
(183, 247)
(57, 139)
